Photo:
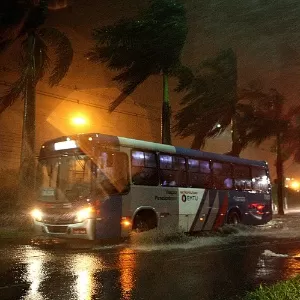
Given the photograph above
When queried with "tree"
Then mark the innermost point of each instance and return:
(272, 121)
(22, 21)
(211, 102)
(150, 44)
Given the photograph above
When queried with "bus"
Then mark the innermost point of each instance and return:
(96, 186)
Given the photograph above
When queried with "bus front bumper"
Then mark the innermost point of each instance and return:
(84, 230)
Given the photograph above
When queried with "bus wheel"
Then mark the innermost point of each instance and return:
(233, 218)
(141, 226)
(144, 221)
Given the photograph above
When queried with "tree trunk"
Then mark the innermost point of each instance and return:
(280, 174)
(196, 144)
(166, 113)
(236, 146)
(27, 160)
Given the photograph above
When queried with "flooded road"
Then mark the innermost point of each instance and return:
(155, 265)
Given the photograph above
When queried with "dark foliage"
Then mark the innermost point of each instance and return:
(150, 44)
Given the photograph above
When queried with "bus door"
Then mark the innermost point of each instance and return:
(190, 201)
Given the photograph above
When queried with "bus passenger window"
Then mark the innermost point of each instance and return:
(260, 180)
(112, 173)
(199, 173)
(222, 176)
(172, 170)
(242, 177)
(144, 168)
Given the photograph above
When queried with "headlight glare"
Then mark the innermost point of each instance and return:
(37, 214)
(83, 214)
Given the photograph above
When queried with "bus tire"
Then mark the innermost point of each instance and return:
(233, 217)
(145, 220)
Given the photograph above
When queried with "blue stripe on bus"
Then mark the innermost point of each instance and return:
(216, 156)
(109, 223)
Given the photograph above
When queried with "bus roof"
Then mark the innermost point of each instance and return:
(115, 141)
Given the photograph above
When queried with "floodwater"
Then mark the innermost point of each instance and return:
(154, 265)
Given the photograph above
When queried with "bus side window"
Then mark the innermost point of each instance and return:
(144, 168)
(199, 173)
(242, 177)
(172, 170)
(260, 180)
(222, 176)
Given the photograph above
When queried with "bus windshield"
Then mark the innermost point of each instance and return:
(74, 177)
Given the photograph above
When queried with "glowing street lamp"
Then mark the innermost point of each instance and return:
(79, 121)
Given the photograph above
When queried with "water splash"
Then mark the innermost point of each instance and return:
(273, 254)
(286, 227)
(167, 239)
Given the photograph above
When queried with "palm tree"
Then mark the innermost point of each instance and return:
(151, 44)
(271, 121)
(212, 103)
(22, 21)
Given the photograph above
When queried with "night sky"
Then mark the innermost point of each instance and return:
(265, 35)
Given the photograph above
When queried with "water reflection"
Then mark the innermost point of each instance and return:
(79, 276)
(84, 267)
(36, 272)
(127, 264)
(264, 268)
(292, 265)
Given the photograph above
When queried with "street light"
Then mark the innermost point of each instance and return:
(79, 121)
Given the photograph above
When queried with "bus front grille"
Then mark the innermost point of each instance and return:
(57, 220)
(57, 229)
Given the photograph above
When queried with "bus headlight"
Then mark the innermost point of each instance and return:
(83, 214)
(37, 215)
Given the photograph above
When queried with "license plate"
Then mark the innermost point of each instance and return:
(48, 192)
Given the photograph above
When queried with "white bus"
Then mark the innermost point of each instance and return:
(96, 186)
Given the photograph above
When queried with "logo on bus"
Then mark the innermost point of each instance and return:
(185, 198)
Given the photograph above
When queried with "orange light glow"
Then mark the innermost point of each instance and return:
(79, 121)
(295, 185)
(127, 269)
(126, 223)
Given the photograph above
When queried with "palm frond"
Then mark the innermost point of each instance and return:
(130, 83)
(63, 51)
(185, 78)
(15, 92)
(32, 65)
(147, 45)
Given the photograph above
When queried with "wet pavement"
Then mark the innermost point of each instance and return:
(154, 266)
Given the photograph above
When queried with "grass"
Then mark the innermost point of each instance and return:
(285, 290)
